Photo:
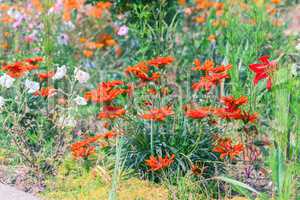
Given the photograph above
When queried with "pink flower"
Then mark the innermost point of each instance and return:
(123, 30)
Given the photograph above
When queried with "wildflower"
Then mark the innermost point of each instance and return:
(225, 148)
(232, 104)
(141, 71)
(18, 69)
(298, 47)
(45, 76)
(80, 101)
(159, 163)
(212, 38)
(2, 101)
(161, 61)
(46, 92)
(88, 53)
(6, 81)
(238, 114)
(107, 40)
(123, 30)
(105, 92)
(158, 114)
(97, 10)
(32, 86)
(208, 81)
(276, 1)
(200, 19)
(38, 5)
(182, 2)
(220, 69)
(81, 76)
(83, 149)
(263, 70)
(60, 73)
(198, 113)
(109, 135)
(208, 65)
(196, 170)
(33, 61)
(63, 39)
(111, 112)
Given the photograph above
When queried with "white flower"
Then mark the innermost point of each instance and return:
(60, 72)
(32, 86)
(6, 81)
(80, 101)
(81, 76)
(2, 102)
(298, 46)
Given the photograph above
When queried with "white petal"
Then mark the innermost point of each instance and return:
(6, 81)
(32, 86)
(80, 101)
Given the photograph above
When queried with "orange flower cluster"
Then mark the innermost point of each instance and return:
(103, 40)
(46, 92)
(158, 114)
(142, 69)
(111, 112)
(159, 163)
(213, 75)
(85, 148)
(230, 112)
(45, 76)
(18, 69)
(93, 11)
(225, 148)
(97, 10)
(205, 6)
(106, 92)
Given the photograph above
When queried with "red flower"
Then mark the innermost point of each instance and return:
(158, 114)
(111, 112)
(221, 69)
(105, 92)
(236, 115)
(159, 163)
(44, 76)
(34, 61)
(46, 92)
(161, 61)
(232, 104)
(198, 113)
(263, 70)
(225, 148)
(141, 71)
(208, 65)
(83, 149)
(109, 135)
(208, 81)
(18, 69)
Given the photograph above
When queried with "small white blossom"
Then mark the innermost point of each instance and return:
(2, 101)
(6, 81)
(298, 46)
(60, 72)
(81, 76)
(32, 86)
(80, 101)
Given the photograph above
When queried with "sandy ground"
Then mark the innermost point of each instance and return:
(10, 193)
